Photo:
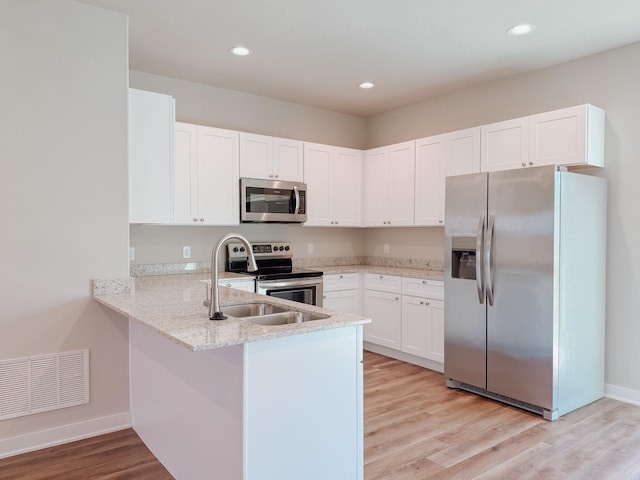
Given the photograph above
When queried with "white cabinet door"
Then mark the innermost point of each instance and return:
(317, 176)
(505, 145)
(287, 161)
(206, 176)
(346, 187)
(389, 185)
(151, 151)
(414, 326)
(429, 181)
(346, 301)
(423, 327)
(218, 176)
(570, 136)
(185, 174)
(385, 311)
(462, 153)
(256, 152)
(401, 197)
(435, 338)
(270, 158)
(376, 187)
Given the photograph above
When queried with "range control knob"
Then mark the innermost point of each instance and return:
(242, 249)
(286, 248)
(235, 249)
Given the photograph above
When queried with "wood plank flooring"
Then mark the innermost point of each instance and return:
(415, 428)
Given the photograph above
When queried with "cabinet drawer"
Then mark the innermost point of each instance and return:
(418, 287)
(340, 281)
(385, 283)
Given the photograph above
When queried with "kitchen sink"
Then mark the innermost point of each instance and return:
(284, 318)
(252, 309)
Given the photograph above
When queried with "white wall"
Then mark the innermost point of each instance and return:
(63, 196)
(610, 80)
(219, 107)
(163, 244)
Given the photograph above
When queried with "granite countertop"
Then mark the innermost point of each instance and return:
(172, 306)
(384, 270)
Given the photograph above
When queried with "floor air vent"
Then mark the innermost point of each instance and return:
(42, 383)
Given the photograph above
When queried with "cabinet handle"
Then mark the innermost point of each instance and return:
(341, 276)
(440, 221)
(421, 302)
(324, 296)
(228, 284)
(271, 176)
(336, 222)
(524, 164)
(426, 303)
(424, 282)
(195, 219)
(531, 164)
(202, 219)
(380, 277)
(397, 298)
(276, 176)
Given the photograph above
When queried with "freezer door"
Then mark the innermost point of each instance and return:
(520, 249)
(465, 310)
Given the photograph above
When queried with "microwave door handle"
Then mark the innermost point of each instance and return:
(479, 273)
(296, 193)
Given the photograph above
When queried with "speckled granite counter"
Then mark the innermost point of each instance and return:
(172, 306)
(382, 270)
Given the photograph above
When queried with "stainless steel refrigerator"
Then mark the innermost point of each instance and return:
(525, 287)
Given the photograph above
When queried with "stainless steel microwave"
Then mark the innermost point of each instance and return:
(272, 201)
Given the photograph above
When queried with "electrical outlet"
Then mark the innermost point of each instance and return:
(186, 252)
(386, 248)
(309, 248)
(132, 253)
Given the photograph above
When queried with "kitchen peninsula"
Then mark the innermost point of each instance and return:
(232, 399)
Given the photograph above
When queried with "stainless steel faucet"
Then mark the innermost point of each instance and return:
(214, 303)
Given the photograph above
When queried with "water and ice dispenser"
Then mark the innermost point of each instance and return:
(463, 257)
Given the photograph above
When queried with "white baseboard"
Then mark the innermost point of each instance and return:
(64, 434)
(621, 393)
(405, 357)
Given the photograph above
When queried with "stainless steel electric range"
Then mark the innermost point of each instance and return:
(276, 275)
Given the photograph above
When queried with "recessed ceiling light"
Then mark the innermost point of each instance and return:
(521, 29)
(240, 51)
(366, 85)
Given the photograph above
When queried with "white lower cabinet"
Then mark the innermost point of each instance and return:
(407, 318)
(342, 292)
(382, 304)
(423, 328)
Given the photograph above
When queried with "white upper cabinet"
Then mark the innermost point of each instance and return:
(271, 158)
(462, 153)
(206, 176)
(151, 128)
(334, 185)
(389, 185)
(505, 145)
(570, 136)
(429, 181)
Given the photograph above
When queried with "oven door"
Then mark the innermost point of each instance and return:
(303, 290)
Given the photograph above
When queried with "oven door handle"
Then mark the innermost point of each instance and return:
(289, 283)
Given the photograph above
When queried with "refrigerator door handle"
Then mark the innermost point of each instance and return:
(488, 247)
(479, 276)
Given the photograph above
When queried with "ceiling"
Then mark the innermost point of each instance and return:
(316, 52)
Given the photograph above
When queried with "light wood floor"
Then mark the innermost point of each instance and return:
(415, 428)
